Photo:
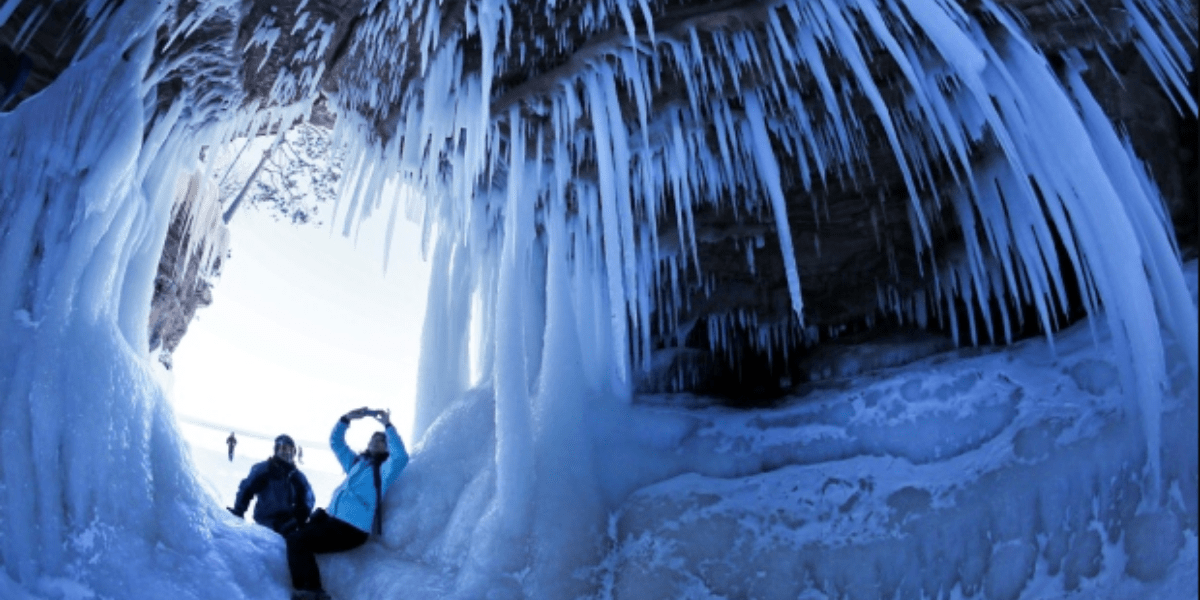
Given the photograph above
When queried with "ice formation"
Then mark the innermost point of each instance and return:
(542, 206)
(94, 474)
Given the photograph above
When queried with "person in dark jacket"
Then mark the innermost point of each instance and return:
(355, 511)
(285, 498)
(231, 441)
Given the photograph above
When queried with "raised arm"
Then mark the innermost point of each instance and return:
(337, 441)
(397, 457)
(397, 454)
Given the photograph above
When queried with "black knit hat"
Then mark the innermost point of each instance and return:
(284, 439)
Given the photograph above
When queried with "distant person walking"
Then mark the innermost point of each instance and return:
(355, 511)
(284, 497)
(231, 441)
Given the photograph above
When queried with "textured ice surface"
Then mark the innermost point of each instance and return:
(1005, 474)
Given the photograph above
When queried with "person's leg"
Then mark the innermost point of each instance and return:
(321, 535)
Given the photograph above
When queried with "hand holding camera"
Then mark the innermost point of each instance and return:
(383, 416)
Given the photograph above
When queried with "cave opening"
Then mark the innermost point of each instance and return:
(288, 322)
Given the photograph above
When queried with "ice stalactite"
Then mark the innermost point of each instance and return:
(768, 171)
(444, 374)
(514, 419)
(947, 85)
(1100, 226)
(188, 269)
(568, 506)
(611, 197)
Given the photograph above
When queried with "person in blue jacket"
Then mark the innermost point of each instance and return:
(355, 510)
(285, 498)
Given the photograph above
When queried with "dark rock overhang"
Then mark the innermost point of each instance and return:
(852, 230)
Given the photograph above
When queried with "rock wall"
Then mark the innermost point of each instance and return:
(197, 244)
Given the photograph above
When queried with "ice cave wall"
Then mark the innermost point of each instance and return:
(605, 166)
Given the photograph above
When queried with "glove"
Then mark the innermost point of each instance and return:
(241, 514)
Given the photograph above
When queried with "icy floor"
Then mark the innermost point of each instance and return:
(939, 477)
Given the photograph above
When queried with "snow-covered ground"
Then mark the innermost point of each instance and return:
(998, 471)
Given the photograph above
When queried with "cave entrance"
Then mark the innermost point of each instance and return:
(302, 323)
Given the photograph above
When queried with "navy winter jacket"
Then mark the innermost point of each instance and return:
(354, 500)
(284, 497)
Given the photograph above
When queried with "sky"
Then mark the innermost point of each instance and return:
(305, 325)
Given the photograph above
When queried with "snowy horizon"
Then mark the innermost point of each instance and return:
(561, 233)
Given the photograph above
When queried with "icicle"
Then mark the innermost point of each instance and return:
(617, 293)
(1168, 58)
(621, 187)
(768, 171)
(1154, 236)
(683, 207)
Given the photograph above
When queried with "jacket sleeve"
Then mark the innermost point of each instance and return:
(250, 486)
(337, 441)
(397, 458)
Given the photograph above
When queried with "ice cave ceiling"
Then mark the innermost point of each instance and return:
(854, 232)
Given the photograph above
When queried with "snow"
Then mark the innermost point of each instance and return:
(901, 472)
(1054, 467)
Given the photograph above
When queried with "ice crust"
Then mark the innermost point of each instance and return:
(868, 492)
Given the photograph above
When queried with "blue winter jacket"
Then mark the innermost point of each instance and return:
(354, 500)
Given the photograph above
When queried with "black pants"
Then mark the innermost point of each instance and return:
(322, 534)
